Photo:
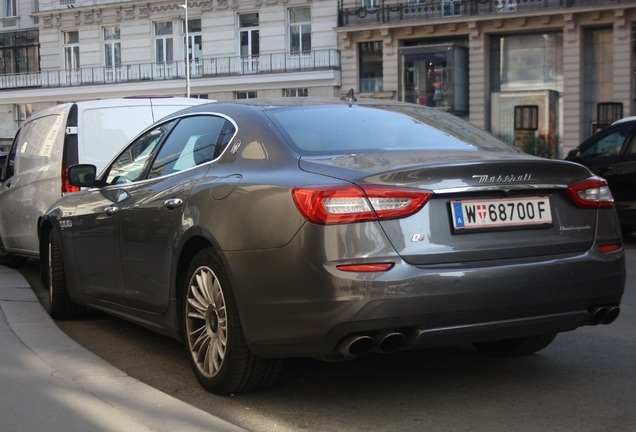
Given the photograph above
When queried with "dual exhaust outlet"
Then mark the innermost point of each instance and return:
(603, 314)
(359, 345)
(392, 341)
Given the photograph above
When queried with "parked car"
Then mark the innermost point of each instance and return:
(48, 142)
(259, 230)
(611, 154)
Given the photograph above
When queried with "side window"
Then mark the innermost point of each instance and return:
(9, 165)
(132, 162)
(194, 141)
(608, 144)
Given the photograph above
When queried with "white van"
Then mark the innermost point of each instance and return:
(34, 174)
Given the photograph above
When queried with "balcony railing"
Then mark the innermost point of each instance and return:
(206, 67)
(392, 11)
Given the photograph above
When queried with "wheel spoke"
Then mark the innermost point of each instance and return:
(206, 321)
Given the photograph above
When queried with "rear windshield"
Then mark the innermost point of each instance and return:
(329, 129)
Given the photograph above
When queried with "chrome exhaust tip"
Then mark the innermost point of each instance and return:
(356, 345)
(389, 342)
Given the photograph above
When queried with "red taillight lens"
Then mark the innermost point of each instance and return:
(609, 248)
(66, 186)
(343, 204)
(366, 268)
(592, 193)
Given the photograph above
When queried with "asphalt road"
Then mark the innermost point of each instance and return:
(584, 381)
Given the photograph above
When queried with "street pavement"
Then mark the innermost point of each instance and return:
(49, 382)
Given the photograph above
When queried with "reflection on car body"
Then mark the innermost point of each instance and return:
(264, 229)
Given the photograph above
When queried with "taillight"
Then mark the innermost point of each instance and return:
(592, 193)
(66, 186)
(366, 268)
(343, 204)
(609, 248)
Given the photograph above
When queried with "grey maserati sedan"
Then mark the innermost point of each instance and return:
(259, 230)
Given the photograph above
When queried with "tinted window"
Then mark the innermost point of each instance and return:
(607, 143)
(344, 129)
(131, 164)
(194, 141)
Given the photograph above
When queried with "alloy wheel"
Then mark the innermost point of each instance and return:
(206, 321)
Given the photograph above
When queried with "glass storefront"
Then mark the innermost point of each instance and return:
(526, 75)
(435, 76)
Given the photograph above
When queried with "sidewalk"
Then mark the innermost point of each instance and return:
(49, 382)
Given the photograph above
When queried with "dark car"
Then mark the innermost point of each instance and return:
(260, 230)
(611, 154)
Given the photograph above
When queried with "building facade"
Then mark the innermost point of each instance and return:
(541, 74)
(91, 49)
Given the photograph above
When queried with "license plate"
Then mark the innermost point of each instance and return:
(501, 213)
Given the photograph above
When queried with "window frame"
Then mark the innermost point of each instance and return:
(71, 49)
(298, 27)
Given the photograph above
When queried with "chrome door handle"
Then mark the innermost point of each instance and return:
(111, 210)
(173, 203)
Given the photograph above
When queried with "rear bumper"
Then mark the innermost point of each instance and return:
(309, 312)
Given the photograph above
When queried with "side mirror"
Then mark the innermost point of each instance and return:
(574, 153)
(82, 175)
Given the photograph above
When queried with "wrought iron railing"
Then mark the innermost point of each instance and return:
(393, 11)
(205, 67)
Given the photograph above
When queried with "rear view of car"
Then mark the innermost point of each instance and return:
(263, 229)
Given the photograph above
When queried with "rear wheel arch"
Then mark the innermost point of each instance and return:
(213, 333)
(61, 306)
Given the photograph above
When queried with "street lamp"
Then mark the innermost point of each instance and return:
(187, 44)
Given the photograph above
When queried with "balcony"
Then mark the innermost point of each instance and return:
(203, 68)
(392, 12)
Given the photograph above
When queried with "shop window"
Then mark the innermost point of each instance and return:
(435, 76)
(527, 62)
(371, 74)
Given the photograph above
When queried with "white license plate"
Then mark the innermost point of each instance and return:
(497, 213)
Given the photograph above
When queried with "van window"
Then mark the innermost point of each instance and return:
(36, 144)
(105, 131)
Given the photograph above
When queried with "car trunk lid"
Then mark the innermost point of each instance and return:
(470, 188)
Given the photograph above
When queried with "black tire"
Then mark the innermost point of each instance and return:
(218, 354)
(60, 305)
(7, 259)
(515, 347)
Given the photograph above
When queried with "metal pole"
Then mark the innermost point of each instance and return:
(187, 53)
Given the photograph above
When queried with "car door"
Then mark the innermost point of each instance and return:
(611, 155)
(153, 219)
(96, 222)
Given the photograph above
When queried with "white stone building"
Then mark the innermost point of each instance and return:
(541, 74)
(108, 48)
